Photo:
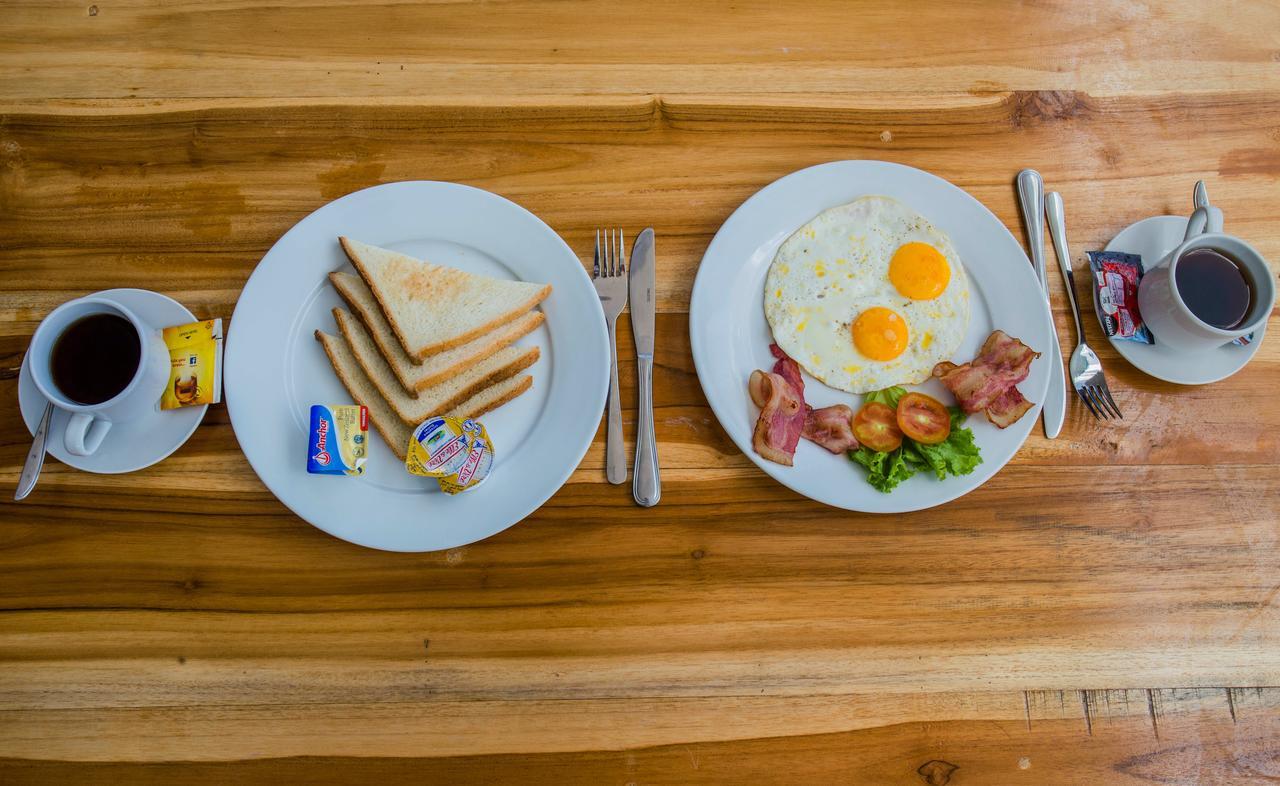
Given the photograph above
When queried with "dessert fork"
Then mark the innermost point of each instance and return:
(610, 278)
(1086, 370)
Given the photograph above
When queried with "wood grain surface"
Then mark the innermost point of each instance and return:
(1104, 610)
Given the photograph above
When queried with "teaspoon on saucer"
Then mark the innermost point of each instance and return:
(35, 457)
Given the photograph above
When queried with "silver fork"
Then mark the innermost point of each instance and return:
(1086, 370)
(611, 285)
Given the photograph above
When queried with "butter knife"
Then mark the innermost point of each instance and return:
(1031, 194)
(646, 484)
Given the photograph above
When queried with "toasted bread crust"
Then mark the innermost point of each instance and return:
(421, 353)
(489, 350)
(393, 432)
(493, 324)
(477, 411)
(505, 336)
(359, 308)
(395, 397)
(364, 273)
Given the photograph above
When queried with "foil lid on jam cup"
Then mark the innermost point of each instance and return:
(457, 452)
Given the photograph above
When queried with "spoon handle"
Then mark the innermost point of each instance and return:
(35, 457)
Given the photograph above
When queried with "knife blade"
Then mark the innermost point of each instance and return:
(1031, 194)
(646, 485)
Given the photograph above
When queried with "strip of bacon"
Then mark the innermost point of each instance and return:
(969, 383)
(788, 369)
(782, 417)
(1006, 410)
(780, 426)
(831, 427)
(987, 383)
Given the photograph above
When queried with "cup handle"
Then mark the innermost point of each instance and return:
(1198, 224)
(1206, 217)
(84, 434)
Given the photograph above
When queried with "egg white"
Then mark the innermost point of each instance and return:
(837, 266)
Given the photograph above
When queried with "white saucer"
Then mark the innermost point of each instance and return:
(134, 444)
(1153, 238)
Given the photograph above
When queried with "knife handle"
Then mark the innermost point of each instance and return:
(646, 485)
(1031, 193)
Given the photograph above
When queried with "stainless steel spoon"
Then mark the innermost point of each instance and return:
(35, 457)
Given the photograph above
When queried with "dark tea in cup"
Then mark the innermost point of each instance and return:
(95, 358)
(1214, 287)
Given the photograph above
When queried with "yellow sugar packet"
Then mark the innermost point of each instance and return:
(195, 358)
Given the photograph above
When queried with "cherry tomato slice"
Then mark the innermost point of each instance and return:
(876, 426)
(923, 418)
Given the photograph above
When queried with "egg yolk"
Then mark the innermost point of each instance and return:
(880, 333)
(919, 271)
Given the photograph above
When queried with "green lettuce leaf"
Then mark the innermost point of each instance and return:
(958, 454)
(886, 470)
(888, 396)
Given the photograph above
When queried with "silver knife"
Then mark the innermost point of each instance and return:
(646, 485)
(1031, 192)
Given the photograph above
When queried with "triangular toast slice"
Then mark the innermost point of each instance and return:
(432, 308)
(416, 375)
(436, 399)
(384, 418)
(393, 430)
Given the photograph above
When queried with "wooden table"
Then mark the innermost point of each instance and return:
(1102, 611)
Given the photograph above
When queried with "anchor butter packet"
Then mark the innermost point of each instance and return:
(339, 437)
(195, 364)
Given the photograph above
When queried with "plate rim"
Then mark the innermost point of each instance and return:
(538, 499)
(700, 287)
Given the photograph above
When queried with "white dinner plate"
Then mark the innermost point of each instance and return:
(731, 337)
(133, 444)
(1153, 238)
(275, 369)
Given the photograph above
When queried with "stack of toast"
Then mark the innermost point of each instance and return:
(423, 340)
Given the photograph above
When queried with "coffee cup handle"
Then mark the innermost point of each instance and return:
(84, 434)
(1206, 217)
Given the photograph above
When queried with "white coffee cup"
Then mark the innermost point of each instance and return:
(1162, 307)
(89, 423)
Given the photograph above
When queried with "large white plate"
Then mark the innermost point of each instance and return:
(731, 338)
(275, 369)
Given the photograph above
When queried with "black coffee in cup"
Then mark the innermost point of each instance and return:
(1214, 287)
(95, 358)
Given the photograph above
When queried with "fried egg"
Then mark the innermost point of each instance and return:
(868, 295)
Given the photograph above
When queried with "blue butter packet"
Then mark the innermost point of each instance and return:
(337, 440)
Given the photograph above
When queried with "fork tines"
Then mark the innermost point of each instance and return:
(1098, 399)
(611, 260)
